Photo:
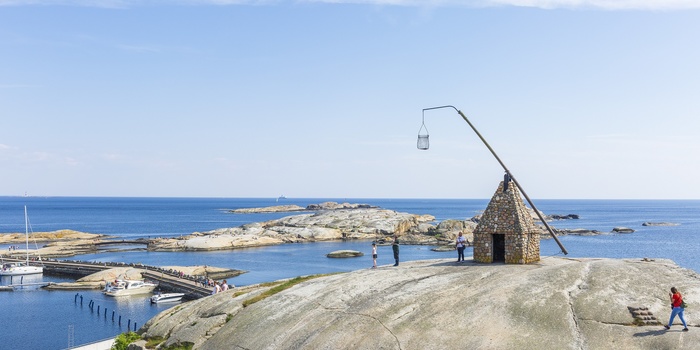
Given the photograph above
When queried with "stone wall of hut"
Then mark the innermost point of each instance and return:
(507, 214)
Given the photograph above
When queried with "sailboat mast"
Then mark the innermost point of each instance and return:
(26, 232)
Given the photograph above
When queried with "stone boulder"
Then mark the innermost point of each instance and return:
(344, 254)
(622, 230)
(558, 303)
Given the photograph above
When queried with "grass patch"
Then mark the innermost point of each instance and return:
(151, 343)
(278, 287)
(180, 346)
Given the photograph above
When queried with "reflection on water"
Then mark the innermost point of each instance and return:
(31, 281)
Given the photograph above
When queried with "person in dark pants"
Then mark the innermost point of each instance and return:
(395, 248)
(460, 244)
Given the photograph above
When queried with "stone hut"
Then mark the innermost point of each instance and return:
(506, 231)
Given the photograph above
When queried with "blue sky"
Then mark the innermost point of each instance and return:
(580, 99)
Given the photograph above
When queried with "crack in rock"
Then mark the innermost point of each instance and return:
(338, 309)
(571, 294)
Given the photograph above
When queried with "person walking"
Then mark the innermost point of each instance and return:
(374, 254)
(460, 244)
(395, 248)
(676, 308)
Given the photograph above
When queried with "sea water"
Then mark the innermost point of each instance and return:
(40, 319)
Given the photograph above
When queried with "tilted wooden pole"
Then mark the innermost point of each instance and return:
(532, 205)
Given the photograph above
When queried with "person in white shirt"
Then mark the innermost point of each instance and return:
(374, 254)
(460, 244)
(224, 286)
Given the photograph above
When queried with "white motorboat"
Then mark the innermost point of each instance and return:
(166, 297)
(21, 268)
(123, 287)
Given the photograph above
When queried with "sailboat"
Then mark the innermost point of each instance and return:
(21, 268)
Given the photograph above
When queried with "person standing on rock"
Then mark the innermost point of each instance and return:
(395, 248)
(676, 309)
(374, 254)
(460, 244)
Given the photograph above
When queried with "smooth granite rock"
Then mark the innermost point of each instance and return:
(559, 303)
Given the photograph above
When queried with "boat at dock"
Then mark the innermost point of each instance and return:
(166, 297)
(124, 287)
(22, 268)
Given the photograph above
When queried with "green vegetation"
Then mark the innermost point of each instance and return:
(278, 287)
(122, 341)
(180, 346)
(153, 342)
(228, 317)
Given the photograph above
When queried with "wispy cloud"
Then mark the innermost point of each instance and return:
(652, 5)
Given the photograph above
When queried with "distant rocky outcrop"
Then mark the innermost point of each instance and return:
(562, 217)
(58, 235)
(571, 232)
(272, 209)
(623, 230)
(660, 224)
(310, 207)
(558, 303)
(323, 225)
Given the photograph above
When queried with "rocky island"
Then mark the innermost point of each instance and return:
(329, 221)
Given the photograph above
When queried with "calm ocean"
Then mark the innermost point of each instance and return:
(38, 319)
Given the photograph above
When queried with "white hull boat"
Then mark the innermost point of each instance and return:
(121, 287)
(166, 297)
(22, 268)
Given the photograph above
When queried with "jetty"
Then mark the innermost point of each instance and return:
(167, 280)
(11, 287)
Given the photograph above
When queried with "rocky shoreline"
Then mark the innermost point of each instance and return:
(329, 221)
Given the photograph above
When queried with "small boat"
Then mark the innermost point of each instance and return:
(22, 268)
(166, 297)
(123, 287)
